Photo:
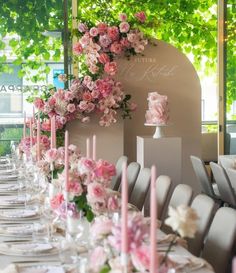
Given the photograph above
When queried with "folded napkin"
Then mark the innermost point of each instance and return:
(190, 262)
(170, 237)
(18, 213)
(31, 247)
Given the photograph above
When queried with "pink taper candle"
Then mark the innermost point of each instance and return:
(66, 161)
(94, 147)
(33, 114)
(234, 265)
(88, 148)
(38, 137)
(24, 129)
(31, 134)
(153, 227)
(124, 213)
(53, 132)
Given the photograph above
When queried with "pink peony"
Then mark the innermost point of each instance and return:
(141, 258)
(93, 32)
(77, 48)
(96, 192)
(82, 27)
(110, 68)
(104, 40)
(39, 103)
(57, 201)
(71, 108)
(103, 58)
(113, 33)
(116, 48)
(102, 28)
(124, 27)
(122, 17)
(141, 16)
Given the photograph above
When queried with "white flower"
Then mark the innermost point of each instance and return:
(183, 219)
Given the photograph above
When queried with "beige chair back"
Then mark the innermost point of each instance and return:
(140, 189)
(232, 177)
(163, 184)
(132, 174)
(202, 176)
(226, 190)
(115, 183)
(204, 207)
(221, 239)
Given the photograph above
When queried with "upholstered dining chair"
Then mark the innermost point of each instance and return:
(226, 190)
(132, 174)
(232, 177)
(201, 173)
(204, 207)
(115, 183)
(163, 184)
(220, 240)
(181, 195)
(140, 189)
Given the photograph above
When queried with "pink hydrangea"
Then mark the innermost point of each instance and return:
(110, 68)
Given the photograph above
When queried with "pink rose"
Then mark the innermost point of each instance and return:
(96, 192)
(56, 201)
(84, 40)
(102, 28)
(87, 96)
(71, 108)
(46, 125)
(83, 105)
(113, 33)
(39, 103)
(77, 48)
(93, 32)
(110, 68)
(116, 48)
(132, 37)
(122, 17)
(69, 95)
(93, 69)
(51, 155)
(98, 258)
(90, 107)
(141, 258)
(95, 94)
(75, 188)
(51, 102)
(103, 58)
(124, 27)
(105, 170)
(82, 27)
(141, 16)
(139, 48)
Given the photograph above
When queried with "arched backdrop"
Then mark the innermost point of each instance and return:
(164, 69)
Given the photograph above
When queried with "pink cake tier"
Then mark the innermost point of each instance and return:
(158, 112)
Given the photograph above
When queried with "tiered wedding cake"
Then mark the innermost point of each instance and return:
(158, 112)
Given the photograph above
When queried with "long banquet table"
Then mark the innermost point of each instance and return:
(32, 261)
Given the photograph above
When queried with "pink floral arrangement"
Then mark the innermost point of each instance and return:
(96, 91)
(88, 184)
(158, 112)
